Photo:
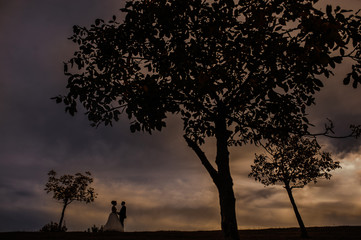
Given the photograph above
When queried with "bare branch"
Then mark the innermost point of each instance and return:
(355, 131)
(212, 172)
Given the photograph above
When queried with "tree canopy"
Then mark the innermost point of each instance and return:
(294, 163)
(258, 63)
(71, 188)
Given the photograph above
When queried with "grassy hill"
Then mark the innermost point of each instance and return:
(316, 233)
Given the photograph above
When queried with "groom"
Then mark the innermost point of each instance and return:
(123, 213)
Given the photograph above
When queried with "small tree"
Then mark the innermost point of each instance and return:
(294, 164)
(69, 188)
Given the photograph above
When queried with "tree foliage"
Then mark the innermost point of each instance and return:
(259, 62)
(69, 188)
(294, 163)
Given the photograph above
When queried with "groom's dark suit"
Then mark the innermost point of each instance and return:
(122, 214)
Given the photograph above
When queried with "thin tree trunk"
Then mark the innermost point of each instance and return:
(304, 233)
(62, 215)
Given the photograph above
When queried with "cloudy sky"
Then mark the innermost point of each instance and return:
(159, 177)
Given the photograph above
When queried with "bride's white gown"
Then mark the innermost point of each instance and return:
(113, 223)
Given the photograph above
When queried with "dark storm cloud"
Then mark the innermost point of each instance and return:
(31, 66)
(30, 220)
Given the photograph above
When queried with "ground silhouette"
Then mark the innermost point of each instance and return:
(316, 233)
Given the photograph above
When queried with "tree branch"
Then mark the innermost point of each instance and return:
(201, 155)
(355, 131)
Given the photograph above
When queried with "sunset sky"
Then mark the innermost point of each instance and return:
(160, 178)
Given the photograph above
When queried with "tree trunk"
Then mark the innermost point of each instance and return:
(62, 215)
(304, 233)
(227, 203)
(224, 182)
(221, 177)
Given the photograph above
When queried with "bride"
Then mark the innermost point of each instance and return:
(113, 223)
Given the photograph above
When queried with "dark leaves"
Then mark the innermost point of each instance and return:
(347, 79)
(69, 188)
(187, 57)
(293, 162)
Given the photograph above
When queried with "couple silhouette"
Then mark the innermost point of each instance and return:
(114, 222)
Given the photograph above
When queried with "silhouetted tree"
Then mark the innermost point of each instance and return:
(294, 163)
(69, 188)
(239, 71)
